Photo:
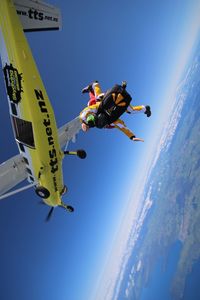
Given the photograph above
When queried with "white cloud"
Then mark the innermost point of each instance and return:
(139, 265)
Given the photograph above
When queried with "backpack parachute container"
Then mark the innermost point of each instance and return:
(115, 102)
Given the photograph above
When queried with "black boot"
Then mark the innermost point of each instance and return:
(148, 111)
(88, 88)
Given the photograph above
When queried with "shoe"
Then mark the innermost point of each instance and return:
(124, 84)
(148, 111)
(88, 88)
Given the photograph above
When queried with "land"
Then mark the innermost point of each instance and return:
(175, 214)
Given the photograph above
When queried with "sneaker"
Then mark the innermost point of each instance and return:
(148, 111)
(88, 88)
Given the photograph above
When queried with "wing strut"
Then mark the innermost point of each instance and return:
(17, 191)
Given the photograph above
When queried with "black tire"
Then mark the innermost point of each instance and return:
(81, 154)
(70, 208)
(42, 192)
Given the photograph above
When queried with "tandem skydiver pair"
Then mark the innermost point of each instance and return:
(105, 109)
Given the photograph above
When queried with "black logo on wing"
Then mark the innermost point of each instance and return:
(13, 81)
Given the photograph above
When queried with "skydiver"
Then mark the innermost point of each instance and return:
(90, 118)
(96, 95)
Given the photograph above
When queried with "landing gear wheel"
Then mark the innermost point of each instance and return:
(81, 154)
(70, 208)
(42, 192)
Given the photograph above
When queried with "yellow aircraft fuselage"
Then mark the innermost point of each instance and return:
(31, 112)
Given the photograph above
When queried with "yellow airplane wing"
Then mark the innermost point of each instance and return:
(31, 113)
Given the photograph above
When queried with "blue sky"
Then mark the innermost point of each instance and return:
(144, 42)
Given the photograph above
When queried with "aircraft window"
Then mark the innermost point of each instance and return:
(24, 132)
(13, 108)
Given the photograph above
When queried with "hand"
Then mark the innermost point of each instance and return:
(137, 140)
(84, 127)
